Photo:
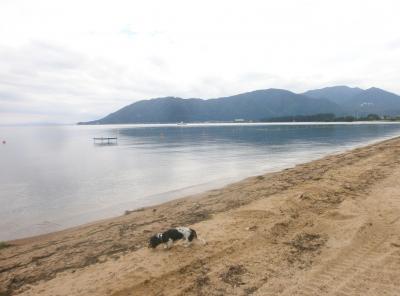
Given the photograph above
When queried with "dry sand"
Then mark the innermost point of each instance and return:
(328, 227)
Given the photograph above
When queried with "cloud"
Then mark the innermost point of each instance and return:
(52, 83)
(128, 31)
(41, 78)
(394, 44)
(74, 61)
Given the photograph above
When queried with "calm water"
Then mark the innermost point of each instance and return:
(55, 177)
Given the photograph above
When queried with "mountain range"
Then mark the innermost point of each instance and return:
(259, 104)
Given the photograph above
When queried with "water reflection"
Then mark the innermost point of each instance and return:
(63, 179)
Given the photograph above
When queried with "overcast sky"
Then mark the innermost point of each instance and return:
(68, 61)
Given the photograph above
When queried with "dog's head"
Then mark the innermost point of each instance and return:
(155, 240)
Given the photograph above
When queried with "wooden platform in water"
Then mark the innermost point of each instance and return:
(105, 139)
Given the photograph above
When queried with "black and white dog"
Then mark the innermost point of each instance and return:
(168, 237)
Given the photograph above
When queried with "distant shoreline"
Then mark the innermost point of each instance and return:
(238, 122)
(203, 123)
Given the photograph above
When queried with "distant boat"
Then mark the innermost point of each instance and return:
(181, 123)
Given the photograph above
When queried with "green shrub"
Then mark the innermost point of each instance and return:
(4, 245)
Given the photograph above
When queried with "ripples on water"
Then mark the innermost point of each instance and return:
(55, 177)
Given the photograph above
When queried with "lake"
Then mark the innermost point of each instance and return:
(53, 177)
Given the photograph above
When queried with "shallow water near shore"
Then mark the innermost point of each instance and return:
(54, 177)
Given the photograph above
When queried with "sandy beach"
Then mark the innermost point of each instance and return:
(327, 227)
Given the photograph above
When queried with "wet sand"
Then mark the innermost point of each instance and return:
(327, 227)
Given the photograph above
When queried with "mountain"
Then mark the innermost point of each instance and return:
(337, 94)
(356, 101)
(374, 100)
(253, 105)
(259, 104)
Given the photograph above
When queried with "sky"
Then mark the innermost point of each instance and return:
(64, 61)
